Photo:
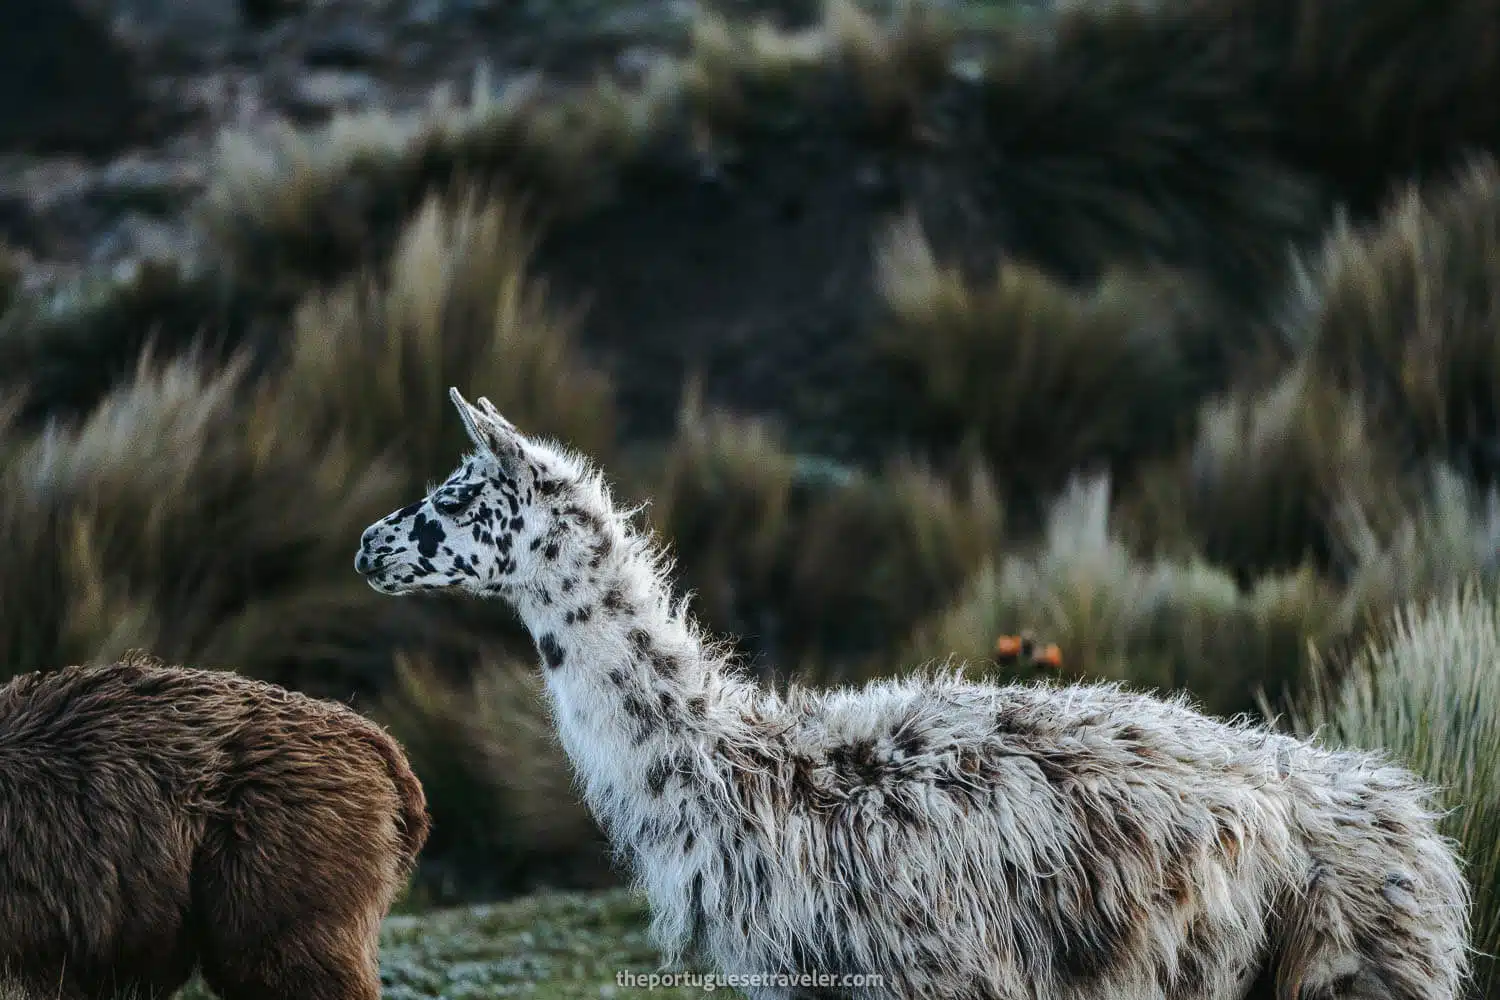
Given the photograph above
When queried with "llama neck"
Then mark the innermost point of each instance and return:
(635, 692)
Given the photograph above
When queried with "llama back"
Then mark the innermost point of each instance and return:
(1015, 841)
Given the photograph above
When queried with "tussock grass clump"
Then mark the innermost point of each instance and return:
(498, 785)
(1164, 624)
(1448, 534)
(1269, 479)
(1222, 131)
(1141, 133)
(1404, 313)
(804, 559)
(740, 75)
(181, 517)
(1045, 380)
(66, 349)
(292, 208)
(371, 360)
(1425, 688)
(723, 493)
(889, 549)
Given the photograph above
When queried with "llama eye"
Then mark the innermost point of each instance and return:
(453, 503)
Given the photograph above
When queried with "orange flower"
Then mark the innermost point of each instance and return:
(1009, 648)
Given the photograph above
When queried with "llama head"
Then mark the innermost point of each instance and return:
(515, 513)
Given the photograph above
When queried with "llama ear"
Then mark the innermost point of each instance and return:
(496, 436)
(467, 414)
(495, 415)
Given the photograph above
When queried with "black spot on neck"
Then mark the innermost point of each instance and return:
(614, 600)
(657, 775)
(552, 651)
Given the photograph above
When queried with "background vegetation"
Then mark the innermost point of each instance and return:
(1083, 337)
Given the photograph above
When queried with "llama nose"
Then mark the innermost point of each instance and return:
(363, 561)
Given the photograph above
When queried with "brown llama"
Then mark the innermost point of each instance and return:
(156, 819)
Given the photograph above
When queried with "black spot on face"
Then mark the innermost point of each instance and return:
(404, 513)
(427, 534)
(552, 651)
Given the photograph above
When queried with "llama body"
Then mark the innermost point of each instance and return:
(154, 819)
(955, 838)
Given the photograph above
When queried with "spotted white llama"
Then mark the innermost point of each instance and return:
(956, 839)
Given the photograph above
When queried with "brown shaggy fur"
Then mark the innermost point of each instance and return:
(154, 819)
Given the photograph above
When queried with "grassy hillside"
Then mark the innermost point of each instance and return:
(1165, 331)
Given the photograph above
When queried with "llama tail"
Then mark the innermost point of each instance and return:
(413, 821)
(1382, 915)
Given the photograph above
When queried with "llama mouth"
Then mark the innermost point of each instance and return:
(382, 581)
(378, 572)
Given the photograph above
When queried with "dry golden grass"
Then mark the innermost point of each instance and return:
(1156, 623)
(294, 207)
(1269, 479)
(181, 517)
(1425, 688)
(889, 549)
(370, 361)
(1045, 380)
(1448, 534)
(67, 349)
(498, 785)
(810, 560)
(1404, 313)
(722, 493)
(288, 208)
(737, 74)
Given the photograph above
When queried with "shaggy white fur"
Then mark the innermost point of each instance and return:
(957, 839)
